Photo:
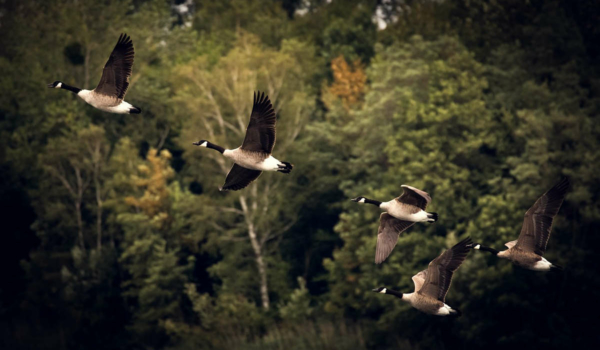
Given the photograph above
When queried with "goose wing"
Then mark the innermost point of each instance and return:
(414, 196)
(239, 177)
(260, 134)
(116, 73)
(419, 279)
(387, 236)
(439, 273)
(537, 223)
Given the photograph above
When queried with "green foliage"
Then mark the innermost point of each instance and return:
(152, 250)
(217, 105)
(299, 306)
(303, 336)
(117, 237)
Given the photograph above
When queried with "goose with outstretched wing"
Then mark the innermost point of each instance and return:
(401, 213)
(254, 155)
(528, 250)
(109, 95)
(433, 283)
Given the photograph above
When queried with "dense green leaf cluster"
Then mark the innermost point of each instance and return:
(115, 233)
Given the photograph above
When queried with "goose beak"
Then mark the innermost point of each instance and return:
(196, 143)
(355, 199)
(51, 85)
(376, 290)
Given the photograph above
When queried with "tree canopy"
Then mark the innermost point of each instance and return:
(117, 236)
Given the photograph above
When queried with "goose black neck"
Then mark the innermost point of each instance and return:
(394, 293)
(70, 88)
(488, 249)
(215, 147)
(371, 201)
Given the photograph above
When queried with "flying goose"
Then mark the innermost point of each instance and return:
(402, 213)
(108, 95)
(254, 156)
(432, 284)
(527, 251)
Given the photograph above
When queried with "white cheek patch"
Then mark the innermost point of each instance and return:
(477, 246)
(204, 144)
(383, 291)
(58, 86)
(362, 200)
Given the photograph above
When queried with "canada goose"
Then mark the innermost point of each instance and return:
(432, 284)
(527, 251)
(108, 95)
(402, 213)
(254, 156)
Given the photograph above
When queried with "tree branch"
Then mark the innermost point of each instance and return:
(163, 138)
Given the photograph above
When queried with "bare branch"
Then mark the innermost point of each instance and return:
(231, 210)
(163, 138)
(62, 178)
(217, 226)
(234, 239)
(270, 236)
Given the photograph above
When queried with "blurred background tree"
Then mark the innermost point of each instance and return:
(115, 233)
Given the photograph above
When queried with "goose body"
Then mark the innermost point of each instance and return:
(109, 94)
(433, 283)
(528, 250)
(406, 212)
(253, 160)
(401, 213)
(107, 103)
(428, 305)
(254, 155)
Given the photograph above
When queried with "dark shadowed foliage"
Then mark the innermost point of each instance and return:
(115, 235)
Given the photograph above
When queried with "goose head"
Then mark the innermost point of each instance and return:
(201, 143)
(57, 85)
(358, 199)
(381, 290)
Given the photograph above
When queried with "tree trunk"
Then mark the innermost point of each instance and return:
(99, 225)
(86, 78)
(262, 270)
(98, 211)
(256, 246)
(63, 342)
(79, 223)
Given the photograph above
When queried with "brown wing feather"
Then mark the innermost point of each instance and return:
(414, 196)
(440, 270)
(117, 70)
(387, 236)
(239, 177)
(260, 134)
(419, 279)
(537, 223)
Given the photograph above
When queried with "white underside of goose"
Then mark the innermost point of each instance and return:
(239, 157)
(121, 108)
(444, 310)
(542, 265)
(396, 210)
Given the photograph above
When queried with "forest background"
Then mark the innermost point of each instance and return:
(114, 233)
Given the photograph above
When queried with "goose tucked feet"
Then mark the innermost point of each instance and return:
(432, 217)
(285, 167)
